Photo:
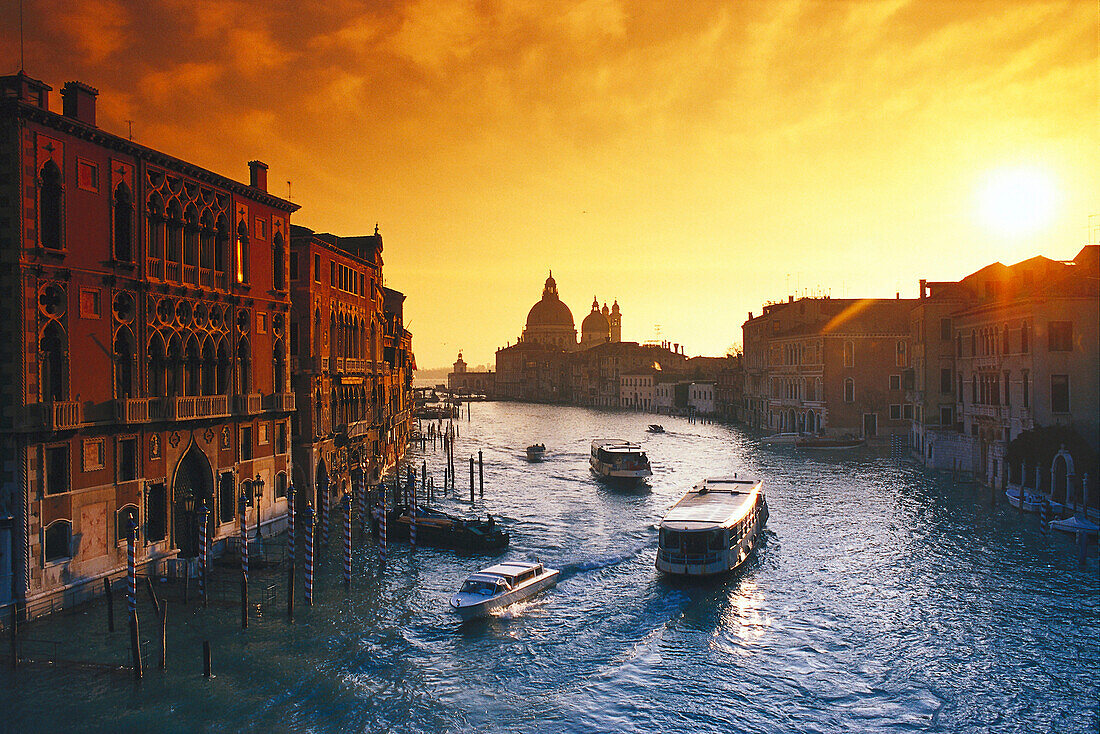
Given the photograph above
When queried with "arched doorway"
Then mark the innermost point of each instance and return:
(191, 487)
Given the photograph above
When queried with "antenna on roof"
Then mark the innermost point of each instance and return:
(130, 127)
(21, 64)
(288, 190)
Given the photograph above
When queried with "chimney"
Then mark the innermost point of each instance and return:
(923, 287)
(750, 315)
(897, 296)
(790, 299)
(78, 102)
(257, 175)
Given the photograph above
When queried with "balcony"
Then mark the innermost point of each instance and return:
(136, 410)
(196, 407)
(63, 416)
(281, 402)
(359, 428)
(251, 404)
(154, 268)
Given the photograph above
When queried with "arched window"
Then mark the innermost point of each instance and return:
(242, 253)
(244, 364)
(50, 196)
(280, 486)
(157, 368)
(318, 404)
(209, 369)
(122, 522)
(52, 356)
(278, 354)
(191, 245)
(206, 243)
(849, 354)
(173, 367)
(154, 246)
(334, 410)
(278, 262)
(123, 224)
(192, 363)
(849, 390)
(124, 364)
(225, 368)
(221, 245)
(58, 541)
(173, 255)
(332, 338)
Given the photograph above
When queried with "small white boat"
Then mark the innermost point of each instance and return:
(535, 452)
(782, 439)
(1023, 500)
(827, 443)
(655, 428)
(1075, 524)
(499, 586)
(619, 461)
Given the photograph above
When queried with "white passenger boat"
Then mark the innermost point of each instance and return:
(782, 439)
(619, 461)
(500, 585)
(1024, 500)
(713, 528)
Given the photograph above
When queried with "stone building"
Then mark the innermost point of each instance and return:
(1024, 344)
(145, 373)
(336, 331)
(833, 366)
(462, 381)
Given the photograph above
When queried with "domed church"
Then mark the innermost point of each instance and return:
(550, 322)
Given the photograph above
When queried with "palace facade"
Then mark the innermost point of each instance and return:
(146, 369)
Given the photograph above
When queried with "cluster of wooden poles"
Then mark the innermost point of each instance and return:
(304, 522)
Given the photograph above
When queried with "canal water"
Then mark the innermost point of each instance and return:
(883, 598)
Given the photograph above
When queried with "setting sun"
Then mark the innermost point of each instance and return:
(1017, 201)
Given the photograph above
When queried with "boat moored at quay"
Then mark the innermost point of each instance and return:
(713, 528)
(618, 461)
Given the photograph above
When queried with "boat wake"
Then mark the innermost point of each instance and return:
(572, 569)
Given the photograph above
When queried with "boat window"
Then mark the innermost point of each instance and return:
(670, 539)
(717, 539)
(695, 543)
(475, 586)
(525, 575)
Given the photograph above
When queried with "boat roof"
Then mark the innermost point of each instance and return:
(509, 569)
(715, 502)
(615, 444)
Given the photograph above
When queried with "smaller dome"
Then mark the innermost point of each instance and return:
(595, 324)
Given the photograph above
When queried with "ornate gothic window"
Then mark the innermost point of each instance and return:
(50, 196)
(123, 224)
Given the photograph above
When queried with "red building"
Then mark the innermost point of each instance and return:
(145, 373)
(336, 331)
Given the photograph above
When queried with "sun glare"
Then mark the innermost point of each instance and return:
(1017, 201)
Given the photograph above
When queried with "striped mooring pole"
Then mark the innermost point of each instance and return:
(290, 551)
(382, 524)
(204, 557)
(131, 597)
(347, 541)
(244, 562)
(309, 553)
(131, 567)
(412, 513)
(324, 513)
(362, 497)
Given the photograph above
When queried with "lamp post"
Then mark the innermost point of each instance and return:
(258, 491)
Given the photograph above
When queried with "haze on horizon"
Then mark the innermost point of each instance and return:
(690, 160)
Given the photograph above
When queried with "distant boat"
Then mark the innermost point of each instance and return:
(713, 528)
(656, 428)
(535, 452)
(618, 461)
(781, 439)
(500, 585)
(825, 442)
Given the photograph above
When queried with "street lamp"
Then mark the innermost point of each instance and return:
(258, 489)
(189, 510)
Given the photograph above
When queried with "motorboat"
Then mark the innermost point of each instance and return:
(655, 428)
(618, 461)
(781, 439)
(714, 528)
(499, 586)
(440, 530)
(827, 442)
(1024, 500)
(1075, 524)
(535, 452)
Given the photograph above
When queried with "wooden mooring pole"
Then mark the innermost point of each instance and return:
(471, 480)
(480, 475)
(206, 658)
(110, 604)
(290, 553)
(14, 634)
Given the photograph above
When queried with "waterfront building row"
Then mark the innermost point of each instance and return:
(154, 351)
(959, 372)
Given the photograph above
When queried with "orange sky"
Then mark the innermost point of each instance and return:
(691, 160)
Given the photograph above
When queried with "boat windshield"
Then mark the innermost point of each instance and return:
(485, 588)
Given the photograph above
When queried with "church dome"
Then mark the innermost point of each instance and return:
(550, 311)
(595, 322)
